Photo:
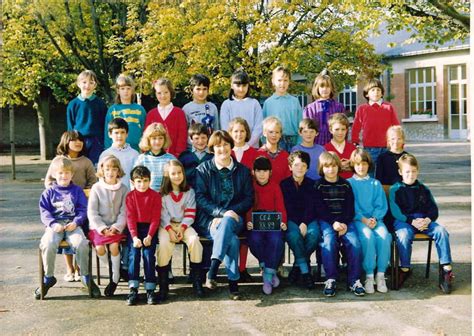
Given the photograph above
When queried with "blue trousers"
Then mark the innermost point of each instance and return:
(375, 246)
(149, 260)
(330, 251)
(267, 247)
(94, 147)
(226, 245)
(374, 154)
(303, 247)
(405, 233)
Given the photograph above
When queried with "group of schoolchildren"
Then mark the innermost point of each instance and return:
(305, 169)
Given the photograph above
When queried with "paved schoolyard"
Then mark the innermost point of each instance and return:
(419, 308)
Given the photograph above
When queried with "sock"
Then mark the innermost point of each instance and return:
(233, 286)
(267, 275)
(447, 267)
(104, 259)
(380, 274)
(261, 264)
(304, 268)
(215, 263)
(115, 268)
(370, 276)
(404, 269)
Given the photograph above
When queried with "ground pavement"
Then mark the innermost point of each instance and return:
(419, 308)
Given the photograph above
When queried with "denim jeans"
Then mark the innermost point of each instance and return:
(303, 247)
(149, 260)
(374, 154)
(405, 233)
(267, 247)
(375, 246)
(226, 245)
(94, 147)
(330, 251)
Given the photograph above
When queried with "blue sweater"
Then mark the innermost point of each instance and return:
(156, 165)
(190, 162)
(370, 199)
(87, 116)
(63, 204)
(286, 108)
(298, 200)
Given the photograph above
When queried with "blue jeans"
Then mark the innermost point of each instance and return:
(226, 245)
(405, 233)
(375, 246)
(374, 154)
(330, 251)
(303, 247)
(94, 147)
(149, 260)
(267, 247)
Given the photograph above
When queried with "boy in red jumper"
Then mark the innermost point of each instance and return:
(143, 206)
(272, 131)
(267, 246)
(373, 119)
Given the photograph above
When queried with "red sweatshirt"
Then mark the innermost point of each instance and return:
(176, 126)
(346, 154)
(248, 157)
(280, 169)
(374, 121)
(143, 207)
(268, 198)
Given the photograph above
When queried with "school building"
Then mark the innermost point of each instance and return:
(429, 87)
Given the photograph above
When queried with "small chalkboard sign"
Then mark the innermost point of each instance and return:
(266, 221)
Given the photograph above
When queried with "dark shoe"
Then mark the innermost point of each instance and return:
(402, 277)
(329, 287)
(170, 274)
(48, 283)
(245, 276)
(446, 281)
(234, 293)
(110, 289)
(308, 281)
(151, 298)
(163, 282)
(95, 290)
(196, 279)
(132, 297)
(211, 283)
(294, 275)
(124, 274)
(357, 288)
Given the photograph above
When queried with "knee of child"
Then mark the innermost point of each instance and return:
(100, 249)
(114, 249)
(403, 235)
(440, 230)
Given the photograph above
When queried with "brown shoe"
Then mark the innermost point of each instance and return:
(403, 276)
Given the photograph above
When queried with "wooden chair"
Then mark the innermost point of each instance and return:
(63, 244)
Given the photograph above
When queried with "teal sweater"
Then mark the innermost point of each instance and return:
(87, 116)
(370, 199)
(134, 115)
(287, 108)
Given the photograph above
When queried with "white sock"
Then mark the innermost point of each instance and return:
(369, 276)
(115, 268)
(104, 260)
(380, 275)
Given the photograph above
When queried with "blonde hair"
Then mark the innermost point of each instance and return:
(165, 82)
(272, 120)
(240, 121)
(338, 118)
(283, 69)
(397, 129)
(154, 129)
(327, 159)
(114, 162)
(89, 74)
(324, 79)
(61, 163)
(123, 80)
(359, 155)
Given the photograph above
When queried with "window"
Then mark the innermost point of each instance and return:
(457, 98)
(422, 92)
(348, 97)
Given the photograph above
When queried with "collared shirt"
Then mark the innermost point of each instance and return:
(91, 97)
(165, 111)
(358, 178)
(239, 151)
(230, 166)
(198, 153)
(379, 102)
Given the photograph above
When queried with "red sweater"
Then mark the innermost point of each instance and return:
(248, 157)
(346, 154)
(176, 126)
(143, 207)
(374, 120)
(268, 198)
(280, 169)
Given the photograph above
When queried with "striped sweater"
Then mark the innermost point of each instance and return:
(179, 207)
(156, 165)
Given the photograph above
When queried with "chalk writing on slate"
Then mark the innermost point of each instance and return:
(266, 221)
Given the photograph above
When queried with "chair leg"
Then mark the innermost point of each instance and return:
(109, 260)
(41, 274)
(428, 260)
(185, 257)
(89, 284)
(97, 266)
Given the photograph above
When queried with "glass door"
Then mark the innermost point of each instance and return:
(457, 101)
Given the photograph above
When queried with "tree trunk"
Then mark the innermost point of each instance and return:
(42, 105)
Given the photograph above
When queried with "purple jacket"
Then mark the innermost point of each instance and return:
(320, 110)
(63, 204)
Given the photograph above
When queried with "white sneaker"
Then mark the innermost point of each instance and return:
(369, 285)
(380, 283)
(69, 277)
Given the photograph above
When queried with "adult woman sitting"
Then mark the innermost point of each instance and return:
(224, 193)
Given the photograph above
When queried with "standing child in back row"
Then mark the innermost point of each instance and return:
(373, 119)
(285, 107)
(126, 108)
(86, 114)
(324, 106)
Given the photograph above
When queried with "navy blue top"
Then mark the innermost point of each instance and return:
(87, 116)
(298, 200)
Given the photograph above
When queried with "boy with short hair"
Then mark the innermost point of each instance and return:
(201, 111)
(284, 106)
(308, 131)
(63, 209)
(303, 232)
(198, 153)
(118, 132)
(143, 206)
(415, 210)
(86, 114)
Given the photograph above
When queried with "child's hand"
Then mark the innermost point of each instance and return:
(215, 223)
(249, 226)
(344, 230)
(283, 226)
(147, 240)
(180, 233)
(137, 243)
(337, 226)
(58, 228)
(303, 229)
(372, 223)
(426, 223)
(70, 226)
(113, 230)
(345, 165)
(173, 236)
(232, 214)
(418, 223)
